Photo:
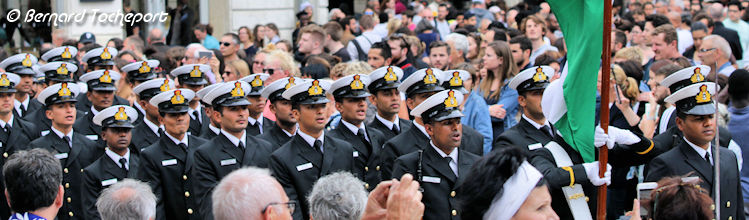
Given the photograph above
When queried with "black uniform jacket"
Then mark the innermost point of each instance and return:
(20, 135)
(101, 174)
(255, 131)
(366, 154)
(276, 136)
(388, 132)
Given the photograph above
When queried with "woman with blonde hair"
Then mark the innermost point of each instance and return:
(235, 70)
(502, 100)
(623, 94)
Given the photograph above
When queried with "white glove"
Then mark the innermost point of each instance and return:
(622, 136)
(591, 169)
(602, 138)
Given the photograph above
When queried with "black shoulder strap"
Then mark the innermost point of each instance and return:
(361, 55)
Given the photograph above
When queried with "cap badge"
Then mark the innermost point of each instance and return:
(63, 69)
(390, 75)
(4, 81)
(105, 55)
(315, 89)
(704, 95)
(105, 78)
(237, 91)
(66, 54)
(196, 72)
(290, 83)
(64, 91)
(697, 76)
(456, 80)
(451, 101)
(539, 76)
(26, 61)
(356, 84)
(257, 82)
(429, 78)
(178, 98)
(165, 87)
(120, 115)
(144, 68)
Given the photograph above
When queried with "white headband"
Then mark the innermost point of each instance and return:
(514, 193)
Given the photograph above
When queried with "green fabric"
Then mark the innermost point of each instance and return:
(581, 22)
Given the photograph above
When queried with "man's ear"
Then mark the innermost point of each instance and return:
(521, 101)
(410, 103)
(58, 198)
(429, 128)
(680, 123)
(388, 61)
(48, 113)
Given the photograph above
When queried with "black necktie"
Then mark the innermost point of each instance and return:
(23, 110)
(450, 159)
(363, 138)
(183, 146)
(123, 163)
(241, 147)
(67, 140)
(159, 132)
(547, 130)
(707, 158)
(195, 115)
(318, 146)
(395, 129)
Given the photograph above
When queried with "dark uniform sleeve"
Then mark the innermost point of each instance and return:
(658, 169)
(388, 158)
(284, 178)
(90, 189)
(633, 155)
(204, 182)
(149, 173)
(400, 168)
(503, 142)
(557, 177)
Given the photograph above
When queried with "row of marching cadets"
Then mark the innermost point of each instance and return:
(183, 136)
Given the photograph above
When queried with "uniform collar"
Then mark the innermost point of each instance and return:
(388, 124)
(259, 119)
(17, 104)
(60, 134)
(140, 108)
(309, 139)
(116, 157)
(532, 122)
(422, 129)
(235, 140)
(152, 126)
(214, 129)
(10, 122)
(177, 142)
(701, 151)
(93, 110)
(353, 128)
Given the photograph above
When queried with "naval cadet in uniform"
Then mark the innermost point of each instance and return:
(149, 130)
(166, 165)
(58, 71)
(310, 154)
(286, 124)
(214, 127)
(441, 167)
(387, 100)
(101, 58)
(101, 88)
(136, 73)
(472, 141)
(233, 148)
(256, 123)
(15, 133)
(192, 76)
(73, 149)
(695, 111)
(117, 163)
(350, 95)
(21, 65)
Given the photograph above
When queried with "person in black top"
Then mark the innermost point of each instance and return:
(387, 100)
(286, 124)
(192, 76)
(150, 129)
(257, 123)
(101, 88)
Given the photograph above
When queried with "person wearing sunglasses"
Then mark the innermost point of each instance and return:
(229, 46)
(716, 53)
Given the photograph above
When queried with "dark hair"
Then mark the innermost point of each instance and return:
(738, 84)
(32, 179)
(485, 181)
(657, 20)
(118, 43)
(701, 16)
(632, 69)
(525, 43)
(439, 44)
(234, 37)
(621, 38)
(207, 28)
(735, 3)
(676, 199)
(384, 49)
(499, 34)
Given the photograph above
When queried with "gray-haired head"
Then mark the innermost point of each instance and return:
(338, 196)
(245, 193)
(720, 43)
(459, 41)
(32, 179)
(127, 200)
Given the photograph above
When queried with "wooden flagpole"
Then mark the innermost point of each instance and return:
(603, 151)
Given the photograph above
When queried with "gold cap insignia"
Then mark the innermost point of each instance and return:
(66, 54)
(178, 98)
(105, 78)
(165, 87)
(697, 76)
(120, 115)
(539, 76)
(451, 101)
(356, 83)
(237, 91)
(105, 55)
(429, 78)
(26, 61)
(257, 82)
(4, 81)
(196, 72)
(456, 80)
(64, 91)
(390, 75)
(290, 83)
(63, 69)
(144, 68)
(315, 89)
(704, 95)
